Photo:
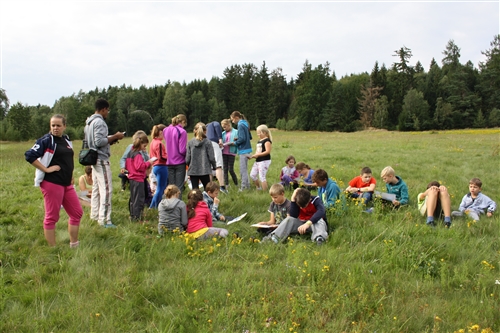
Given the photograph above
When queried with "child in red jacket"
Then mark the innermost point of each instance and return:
(200, 218)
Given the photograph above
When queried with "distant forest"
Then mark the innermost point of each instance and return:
(449, 95)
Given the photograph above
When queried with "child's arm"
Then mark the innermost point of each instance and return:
(184, 216)
(268, 146)
(491, 206)
(214, 210)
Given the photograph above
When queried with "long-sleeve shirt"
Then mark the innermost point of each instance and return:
(329, 194)
(201, 220)
(478, 204)
(214, 208)
(136, 166)
(158, 150)
(400, 190)
(96, 134)
(176, 142)
(314, 211)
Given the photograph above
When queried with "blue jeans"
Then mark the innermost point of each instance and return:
(365, 196)
(161, 173)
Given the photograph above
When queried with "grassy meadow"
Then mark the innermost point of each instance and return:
(380, 272)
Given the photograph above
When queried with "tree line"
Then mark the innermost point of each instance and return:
(403, 97)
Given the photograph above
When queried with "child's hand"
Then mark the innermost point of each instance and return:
(303, 228)
(222, 218)
(395, 202)
(489, 214)
(216, 201)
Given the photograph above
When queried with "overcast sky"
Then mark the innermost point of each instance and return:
(51, 49)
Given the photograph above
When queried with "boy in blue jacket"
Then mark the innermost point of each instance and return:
(475, 203)
(395, 185)
(328, 190)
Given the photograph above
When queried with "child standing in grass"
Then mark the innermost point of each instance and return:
(328, 190)
(137, 167)
(475, 202)
(289, 174)
(210, 196)
(229, 151)
(200, 219)
(172, 213)
(244, 147)
(307, 214)
(262, 157)
(434, 202)
(362, 186)
(200, 157)
(306, 173)
(395, 185)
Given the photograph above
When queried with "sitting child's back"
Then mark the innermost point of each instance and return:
(172, 211)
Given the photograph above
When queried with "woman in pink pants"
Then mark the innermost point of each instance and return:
(52, 156)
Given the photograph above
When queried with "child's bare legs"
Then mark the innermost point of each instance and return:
(50, 236)
(73, 233)
(432, 198)
(444, 196)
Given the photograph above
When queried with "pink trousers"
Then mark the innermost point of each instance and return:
(56, 195)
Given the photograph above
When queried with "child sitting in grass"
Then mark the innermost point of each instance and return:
(200, 219)
(395, 185)
(362, 186)
(172, 212)
(210, 196)
(305, 173)
(307, 214)
(434, 202)
(289, 175)
(278, 209)
(475, 202)
(328, 190)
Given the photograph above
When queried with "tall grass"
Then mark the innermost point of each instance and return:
(384, 272)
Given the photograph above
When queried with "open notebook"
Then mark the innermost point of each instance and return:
(386, 196)
(236, 219)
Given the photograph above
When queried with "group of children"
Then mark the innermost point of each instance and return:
(303, 213)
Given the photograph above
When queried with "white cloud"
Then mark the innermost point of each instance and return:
(54, 49)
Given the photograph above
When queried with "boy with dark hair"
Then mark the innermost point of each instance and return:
(96, 135)
(307, 214)
(328, 190)
(475, 203)
(362, 186)
(210, 196)
(434, 202)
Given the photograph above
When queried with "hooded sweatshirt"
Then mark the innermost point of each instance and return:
(200, 157)
(244, 137)
(96, 134)
(172, 214)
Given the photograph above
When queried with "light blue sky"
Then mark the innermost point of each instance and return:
(51, 49)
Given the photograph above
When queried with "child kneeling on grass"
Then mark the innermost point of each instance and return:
(200, 219)
(210, 196)
(172, 213)
(475, 203)
(307, 214)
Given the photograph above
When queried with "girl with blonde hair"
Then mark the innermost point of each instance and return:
(262, 157)
(200, 157)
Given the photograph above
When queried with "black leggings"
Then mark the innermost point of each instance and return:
(195, 181)
(229, 167)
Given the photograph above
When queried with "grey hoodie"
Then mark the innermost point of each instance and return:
(200, 157)
(96, 135)
(172, 215)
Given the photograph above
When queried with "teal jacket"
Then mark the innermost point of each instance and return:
(400, 190)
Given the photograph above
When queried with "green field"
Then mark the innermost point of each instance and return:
(380, 272)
